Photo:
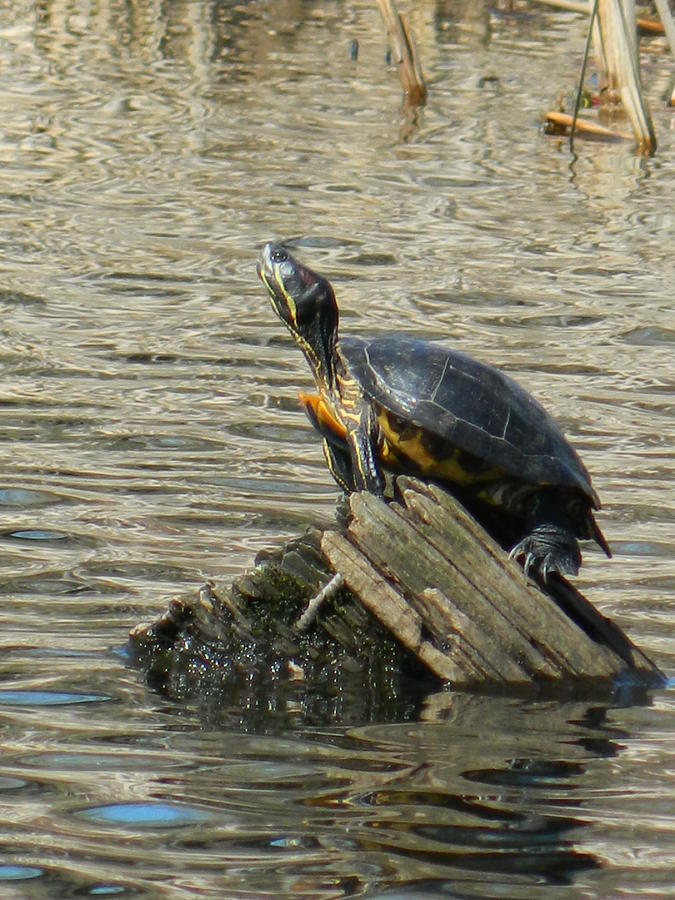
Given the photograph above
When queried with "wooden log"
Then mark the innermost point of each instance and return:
(423, 591)
(511, 631)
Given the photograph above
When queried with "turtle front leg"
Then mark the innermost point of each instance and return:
(340, 464)
(361, 441)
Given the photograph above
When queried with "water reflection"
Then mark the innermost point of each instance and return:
(487, 795)
(486, 807)
(151, 439)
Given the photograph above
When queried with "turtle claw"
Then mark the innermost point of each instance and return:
(547, 550)
(529, 561)
(546, 568)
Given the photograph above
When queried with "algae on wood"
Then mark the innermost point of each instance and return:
(426, 594)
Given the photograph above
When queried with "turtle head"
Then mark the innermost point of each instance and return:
(305, 303)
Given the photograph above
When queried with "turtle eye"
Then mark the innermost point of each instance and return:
(278, 255)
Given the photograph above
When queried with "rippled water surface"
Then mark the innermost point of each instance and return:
(151, 436)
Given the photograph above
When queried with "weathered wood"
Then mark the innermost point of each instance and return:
(423, 589)
(510, 630)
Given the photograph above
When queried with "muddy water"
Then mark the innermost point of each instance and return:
(150, 436)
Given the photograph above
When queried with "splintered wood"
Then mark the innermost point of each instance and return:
(410, 589)
(451, 596)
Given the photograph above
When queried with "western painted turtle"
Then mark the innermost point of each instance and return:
(405, 405)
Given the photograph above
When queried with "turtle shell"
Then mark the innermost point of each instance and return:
(468, 404)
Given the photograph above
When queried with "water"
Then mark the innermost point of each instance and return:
(151, 438)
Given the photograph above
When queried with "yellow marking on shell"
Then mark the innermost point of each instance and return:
(400, 449)
(397, 452)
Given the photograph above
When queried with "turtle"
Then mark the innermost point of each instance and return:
(398, 404)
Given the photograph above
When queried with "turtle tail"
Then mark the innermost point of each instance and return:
(597, 535)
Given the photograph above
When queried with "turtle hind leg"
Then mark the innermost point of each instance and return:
(548, 548)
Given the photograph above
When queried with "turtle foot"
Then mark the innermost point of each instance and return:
(547, 549)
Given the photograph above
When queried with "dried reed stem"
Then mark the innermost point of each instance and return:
(405, 54)
(616, 44)
(649, 26)
(663, 9)
(584, 126)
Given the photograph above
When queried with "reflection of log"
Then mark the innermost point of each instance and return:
(425, 591)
